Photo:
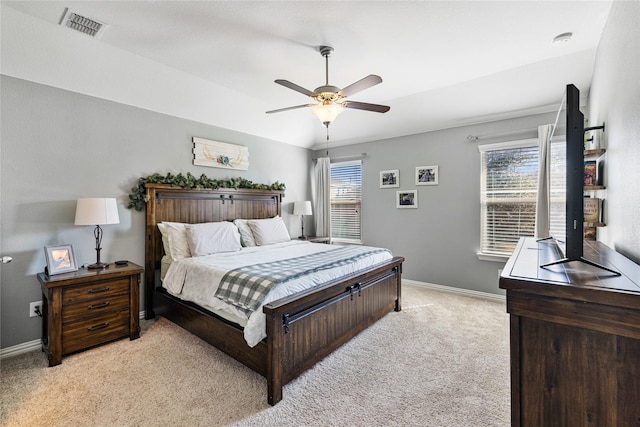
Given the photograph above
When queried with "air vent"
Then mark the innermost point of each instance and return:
(85, 25)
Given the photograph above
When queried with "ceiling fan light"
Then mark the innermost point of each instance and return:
(327, 111)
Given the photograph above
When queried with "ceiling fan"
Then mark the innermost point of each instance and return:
(332, 100)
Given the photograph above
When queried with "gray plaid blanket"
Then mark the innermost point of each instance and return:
(246, 287)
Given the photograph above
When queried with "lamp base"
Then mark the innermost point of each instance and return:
(98, 266)
(302, 237)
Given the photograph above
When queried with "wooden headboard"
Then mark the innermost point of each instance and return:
(176, 204)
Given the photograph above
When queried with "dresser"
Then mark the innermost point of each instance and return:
(575, 337)
(85, 308)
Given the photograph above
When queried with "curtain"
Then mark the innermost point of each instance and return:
(322, 197)
(544, 167)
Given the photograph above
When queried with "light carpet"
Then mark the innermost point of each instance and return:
(442, 361)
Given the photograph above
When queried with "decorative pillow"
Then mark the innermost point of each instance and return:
(269, 231)
(176, 239)
(246, 235)
(212, 237)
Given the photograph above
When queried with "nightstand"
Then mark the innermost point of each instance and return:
(85, 308)
(318, 239)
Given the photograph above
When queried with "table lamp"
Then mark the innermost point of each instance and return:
(302, 209)
(97, 211)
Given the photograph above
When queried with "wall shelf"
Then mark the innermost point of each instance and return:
(594, 187)
(594, 153)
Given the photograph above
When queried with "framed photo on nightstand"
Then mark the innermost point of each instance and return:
(60, 259)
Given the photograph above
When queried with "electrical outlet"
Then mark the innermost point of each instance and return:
(32, 308)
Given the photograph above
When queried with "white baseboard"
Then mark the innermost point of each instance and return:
(18, 349)
(28, 346)
(452, 289)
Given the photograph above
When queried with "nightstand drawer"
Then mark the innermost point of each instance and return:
(94, 290)
(95, 307)
(95, 330)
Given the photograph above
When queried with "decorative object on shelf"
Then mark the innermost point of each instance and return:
(590, 233)
(137, 198)
(220, 154)
(593, 137)
(302, 208)
(60, 259)
(97, 211)
(593, 210)
(390, 178)
(427, 175)
(407, 199)
(590, 172)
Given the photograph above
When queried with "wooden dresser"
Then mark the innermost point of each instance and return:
(575, 338)
(89, 307)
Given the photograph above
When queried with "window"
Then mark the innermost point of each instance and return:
(508, 189)
(346, 189)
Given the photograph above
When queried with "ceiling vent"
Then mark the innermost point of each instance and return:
(85, 25)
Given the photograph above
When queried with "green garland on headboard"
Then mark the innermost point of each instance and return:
(138, 196)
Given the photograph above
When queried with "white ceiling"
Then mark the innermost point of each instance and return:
(443, 63)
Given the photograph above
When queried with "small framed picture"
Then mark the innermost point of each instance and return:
(427, 175)
(390, 178)
(60, 259)
(407, 199)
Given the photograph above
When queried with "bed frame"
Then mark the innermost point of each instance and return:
(302, 328)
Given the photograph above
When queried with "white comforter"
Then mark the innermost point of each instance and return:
(196, 279)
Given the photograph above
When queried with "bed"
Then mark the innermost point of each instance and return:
(301, 328)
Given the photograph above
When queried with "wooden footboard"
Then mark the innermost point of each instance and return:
(302, 329)
(306, 327)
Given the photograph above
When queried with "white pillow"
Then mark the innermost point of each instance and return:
(212, 237)
(177, 240)
(246, 235)
(269, 231)
(165, 238)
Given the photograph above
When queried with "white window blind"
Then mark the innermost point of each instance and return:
(508, 188)
(346, 191)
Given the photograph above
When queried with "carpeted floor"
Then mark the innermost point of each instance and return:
(442, 361)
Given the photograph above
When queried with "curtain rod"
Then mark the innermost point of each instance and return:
(476, 138)
(352, 156)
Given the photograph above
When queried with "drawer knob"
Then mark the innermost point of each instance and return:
(104, 304)
(95, 328)
(95, 291)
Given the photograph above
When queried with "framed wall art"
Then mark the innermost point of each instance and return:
(407, 199)
(60, 259)
(390, 178)
(217, 154)
(427, 175)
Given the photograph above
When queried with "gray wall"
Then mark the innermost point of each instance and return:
(441, 238)
(615, 100)
(58, 146)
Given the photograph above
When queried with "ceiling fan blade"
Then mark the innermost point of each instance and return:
(289, 108)
(287, 83)
(360, 85)
(368, 107)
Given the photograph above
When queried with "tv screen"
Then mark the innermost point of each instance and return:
(566, 176)
(566, 180)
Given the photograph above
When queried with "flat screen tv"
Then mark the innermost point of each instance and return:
(566, 181)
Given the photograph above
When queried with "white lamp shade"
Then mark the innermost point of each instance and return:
(96, 211)
(327, 112)
(302, 208)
